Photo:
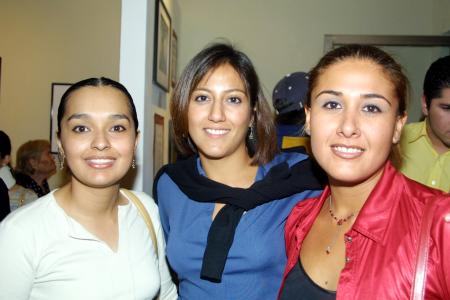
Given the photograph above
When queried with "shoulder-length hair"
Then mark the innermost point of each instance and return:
(209, 59)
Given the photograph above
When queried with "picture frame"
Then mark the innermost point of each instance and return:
(161, 60)
(158, 143)
(173, 58)
(58, 89)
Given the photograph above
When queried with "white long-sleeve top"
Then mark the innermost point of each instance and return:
(45, 254)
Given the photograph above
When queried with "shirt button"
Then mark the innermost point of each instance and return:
(347, 260)
(433, 182)
(447, 218)
(348, 239)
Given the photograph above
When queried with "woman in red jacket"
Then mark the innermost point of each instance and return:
(360, 238)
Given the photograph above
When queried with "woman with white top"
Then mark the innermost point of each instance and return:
(88, 239)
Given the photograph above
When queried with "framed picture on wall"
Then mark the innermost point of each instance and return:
(161, 61)
(173, 58)
(58, 89)
(158, 143)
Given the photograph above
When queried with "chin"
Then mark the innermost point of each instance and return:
(352, 177)
(99, 181)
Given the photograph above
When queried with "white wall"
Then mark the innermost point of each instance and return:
(136, 73)
(283, 36)
(441, 16)
(49, 41)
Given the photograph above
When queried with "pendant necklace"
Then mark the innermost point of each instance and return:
(339, 222)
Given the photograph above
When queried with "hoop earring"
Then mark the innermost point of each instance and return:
(133, 163)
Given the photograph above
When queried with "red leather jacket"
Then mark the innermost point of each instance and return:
(381, 247)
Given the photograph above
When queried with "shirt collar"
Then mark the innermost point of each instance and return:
(374, 218)
(416, 133)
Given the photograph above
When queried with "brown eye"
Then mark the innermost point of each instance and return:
(80, 129)
(118, 128)
(234, 100)
(371, 109)
(331, 105)
(201, 98)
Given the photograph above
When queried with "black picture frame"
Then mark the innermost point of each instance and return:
(58, 89)
(161, 59)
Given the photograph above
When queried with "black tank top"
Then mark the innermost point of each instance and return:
(299, 286)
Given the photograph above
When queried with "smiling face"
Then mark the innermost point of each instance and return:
(219, 114)
(98, 135)
(353, 120)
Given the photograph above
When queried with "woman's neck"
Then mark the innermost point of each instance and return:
(234, 171)
(79, 200)
(348, 198)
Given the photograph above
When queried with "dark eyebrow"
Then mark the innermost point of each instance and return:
(334, 93)
(227, 91)
(365, 96)
(77, 116)
(86, 116)
(373, 95)
(119, 116)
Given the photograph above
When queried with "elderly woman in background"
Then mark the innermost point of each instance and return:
(35, 165)
(17, 194)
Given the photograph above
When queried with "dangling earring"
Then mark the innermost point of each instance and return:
(251, 135)
(252, 140)
(61, 158)
(133, 163)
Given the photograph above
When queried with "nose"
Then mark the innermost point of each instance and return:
(216, 113)
(100, 141)
(349, 124)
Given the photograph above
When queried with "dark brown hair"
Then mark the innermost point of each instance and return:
(209, 59)
(436, 79)
(364, 52)
(96, 82)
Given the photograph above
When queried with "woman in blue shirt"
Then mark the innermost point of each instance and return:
(223, 209)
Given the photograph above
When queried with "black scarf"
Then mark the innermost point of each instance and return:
(280, 182)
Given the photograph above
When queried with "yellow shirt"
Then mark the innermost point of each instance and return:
(296, 141)
(420, 161)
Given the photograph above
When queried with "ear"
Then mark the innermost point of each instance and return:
(60, 148)
(138, 138)
(424, 106)
(253, 116)
(307, 127)
(399, 123)
(33, 163)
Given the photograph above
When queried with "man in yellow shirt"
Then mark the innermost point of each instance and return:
(425, 145)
